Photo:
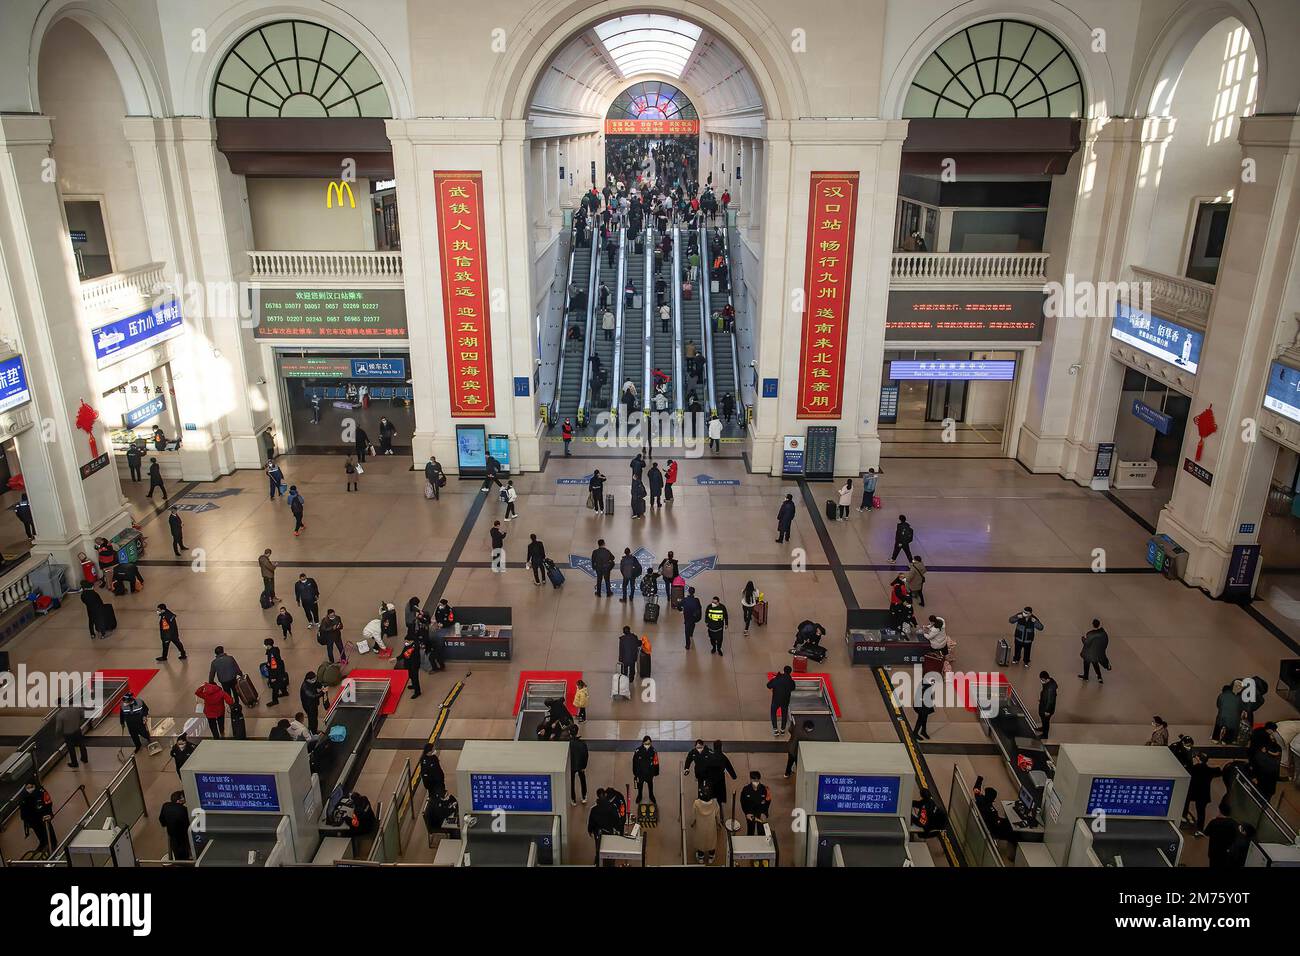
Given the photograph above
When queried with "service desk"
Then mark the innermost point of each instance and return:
(493, 645)
(873, 643)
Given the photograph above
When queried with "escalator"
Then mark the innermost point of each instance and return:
(599, 400)
(633, 339)
(574, 345)
(699, 312)
(665, 349)
(722, 343)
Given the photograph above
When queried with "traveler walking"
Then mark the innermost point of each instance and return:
(330, 636)
(903, 535)
(498, 553)
(307, 593)
(715, 621)
(215, 701)
(1094, 651)
(169, 632)
(155, 480)
(536, 557)
(177, 530)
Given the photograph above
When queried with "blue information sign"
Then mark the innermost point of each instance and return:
(1283, 392)
(1130, 796)
(391, 368)
(250, 792)
(769, 388)
(526, 792)
(14, 390)
(975, 370)
(142, 413)
(1174, 343)
(1152, 416)
(471, 449)
(135, 333)
(521, 386)
(792, 456)
(853, 793)
(498, 446)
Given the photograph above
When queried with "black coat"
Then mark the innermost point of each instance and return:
(536, 553)
(645, 763)
(629, 648)
(306, 592)
(656, 481)
(94, 604)
(755, 800)
(785, 516)
(630, 567)
(602, 560)
(172, 630)
(1198, 790)
(431, 772)
(310, 693)
(781, 686)
(692, 609)
(1047, 697)
(577, 754)
(174, 522)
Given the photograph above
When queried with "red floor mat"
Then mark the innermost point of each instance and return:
(398, 680)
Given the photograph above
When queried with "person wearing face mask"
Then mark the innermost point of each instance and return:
(36, 810)
(645, 767)
(169, 632)
(698, 757)
(755, 803)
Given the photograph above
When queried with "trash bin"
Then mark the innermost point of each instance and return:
(129, 544)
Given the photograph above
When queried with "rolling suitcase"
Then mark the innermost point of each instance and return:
(831, 510)
(801, 665)
(245, 690)
(555, 575)
(107, 620)
(621, 687)
(643, 665)
(238, 731)
(760, 613)
(1004, 653)
(677, 595)
(609, 504)
(651, 611)
(265, 601)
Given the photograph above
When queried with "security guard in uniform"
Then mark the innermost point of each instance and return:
(755, 802)
(715, 619)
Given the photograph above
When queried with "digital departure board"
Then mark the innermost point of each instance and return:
(1130, 796)
(526, 792)
(330, 313)
(249, 792)
(819, 455)
(853, 793)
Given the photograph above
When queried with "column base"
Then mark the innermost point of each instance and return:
(1207, 560)
(1041, 454)
(764, 455)
(64, 551)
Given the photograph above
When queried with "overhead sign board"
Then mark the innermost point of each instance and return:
(1283, 392)
(322, 366)
(976, 370)
(1152, 416)
(137, 416)
(136, 333)
(14, 390)
(329, 313)
(1168, 341)
(662, 127)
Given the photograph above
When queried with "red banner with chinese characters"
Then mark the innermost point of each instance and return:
(828, 272)
(617, 127)
(461, 239)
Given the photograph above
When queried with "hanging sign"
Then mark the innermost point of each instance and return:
(142, 413)
(828, 273)
(621, 127)
(461, 238)
(1152, 416)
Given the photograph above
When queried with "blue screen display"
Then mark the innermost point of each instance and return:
(1149, 333)
(237, 791)
(1130, 796)
(135, 333)
(527, 792)
(1283, 393)
(974, 370)
(471, 446)
(390, 368)
(13, 384)
(142, 413)
(852, 793)
(498, 447)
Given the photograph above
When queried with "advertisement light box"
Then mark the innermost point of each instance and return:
(1167, 341)
(1283, 393)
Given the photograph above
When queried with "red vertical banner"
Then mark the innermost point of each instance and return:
(465, 295)
(828, 273)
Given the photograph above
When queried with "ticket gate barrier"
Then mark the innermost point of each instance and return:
(532, 705)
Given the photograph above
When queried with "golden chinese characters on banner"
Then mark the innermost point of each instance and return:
(617, 127)
(461, 237)
(828, 273)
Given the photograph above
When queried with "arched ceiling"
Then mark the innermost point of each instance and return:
(595, 65)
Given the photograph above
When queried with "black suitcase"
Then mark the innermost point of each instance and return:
(832, 510)
(609, 504)
(643, 664)
(555, 575)
(238, 731)
(651, 611)
(107, 620)
(265, 601)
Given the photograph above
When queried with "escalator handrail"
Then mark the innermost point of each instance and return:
(620, 282)
(703, 252)
(647, 365)
(589, 339)
(678, 381)
(552, 410)
(741, 407)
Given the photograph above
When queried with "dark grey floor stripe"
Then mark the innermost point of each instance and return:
(828, 546)
(458, 546)
(1119, 503)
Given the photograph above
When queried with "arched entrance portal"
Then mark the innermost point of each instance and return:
(652, 132)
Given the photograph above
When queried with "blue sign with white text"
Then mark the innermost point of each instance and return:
(13, 384)
(249, 792)
(855, 793)
(769, 388)
(527, 792)
(394, 368)
(142, 413)
(1283, 392)
(135, 333)
(1130, 796)
(1152, 416)
(1169, 341)
(521, 386)
(978, 370)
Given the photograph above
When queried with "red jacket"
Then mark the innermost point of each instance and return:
(214, 700)
(671, 477)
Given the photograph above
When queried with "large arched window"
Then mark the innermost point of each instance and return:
(292, 68)
(652, 100)
(996, 70)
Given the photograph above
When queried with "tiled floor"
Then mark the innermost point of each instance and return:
(995, 538)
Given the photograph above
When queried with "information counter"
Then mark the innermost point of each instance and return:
(464, 642)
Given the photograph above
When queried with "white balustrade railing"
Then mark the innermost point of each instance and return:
(1177, 296)
(342, 266)
(935, 269)
(119, 288)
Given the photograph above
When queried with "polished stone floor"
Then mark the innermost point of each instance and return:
(995, 538)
